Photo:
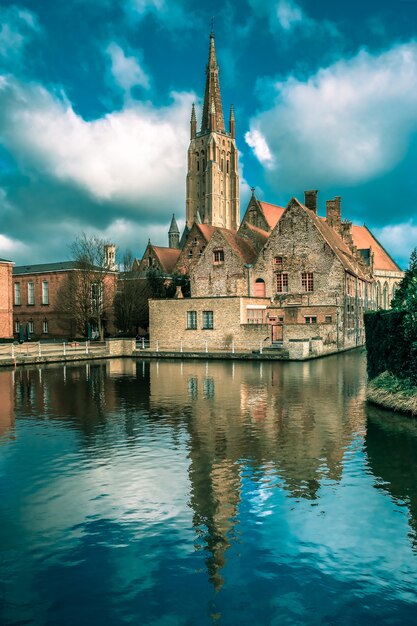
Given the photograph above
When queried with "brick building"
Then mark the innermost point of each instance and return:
(37, 309)
(6, 299)
(283, 274)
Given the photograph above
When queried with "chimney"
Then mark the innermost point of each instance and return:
(346, 232)
(333, 212)
(310, 200)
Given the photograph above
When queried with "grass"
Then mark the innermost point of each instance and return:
(393, 393)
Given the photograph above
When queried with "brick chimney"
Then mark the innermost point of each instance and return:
(310, 200)
(333, 212)
(346, 232)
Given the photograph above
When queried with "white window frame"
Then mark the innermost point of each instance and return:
(45, 292)
(31, 292)
(17, 294)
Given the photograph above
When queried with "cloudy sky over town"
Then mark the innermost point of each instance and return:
(96, 95)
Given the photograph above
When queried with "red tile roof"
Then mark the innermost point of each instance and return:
(272, 213)
(363, 239)
(206, 230)
(167, 257)
(242, 247)
(336, 243)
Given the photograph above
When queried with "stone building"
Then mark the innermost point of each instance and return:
(284, 274)
(37, 309)
(6, 299)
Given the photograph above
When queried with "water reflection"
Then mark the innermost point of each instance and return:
(195, 492)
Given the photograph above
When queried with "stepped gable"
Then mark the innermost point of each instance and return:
(335, 241)
(272, 213)
(167, 257)
(364, 239)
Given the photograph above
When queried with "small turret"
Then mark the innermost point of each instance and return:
(173, 234)
(232, 122)
(193, 123)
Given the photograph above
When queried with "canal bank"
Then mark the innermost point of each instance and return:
(392, 393)
(36, 353)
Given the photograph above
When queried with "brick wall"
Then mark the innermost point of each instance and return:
(6, 306)
(227, 278)
(168, 323)
(59, 323)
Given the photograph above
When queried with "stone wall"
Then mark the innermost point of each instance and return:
(168, 324)
(6, 299)
(226, 278)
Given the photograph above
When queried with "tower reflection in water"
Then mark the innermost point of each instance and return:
(286, 426)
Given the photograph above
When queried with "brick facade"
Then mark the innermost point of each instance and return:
(45, 314)
(6, 299)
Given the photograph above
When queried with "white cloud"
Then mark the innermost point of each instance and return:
(289, 14)
(399, 239)
(286, 16)
(135, 156)
(126, 71)
(17, 26)
(170, 14)
(10, 246)
(256, 140)
(347, 124)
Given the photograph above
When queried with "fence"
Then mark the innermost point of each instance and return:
(36, 349)
(206, 345)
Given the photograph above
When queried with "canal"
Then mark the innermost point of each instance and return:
(164, 493)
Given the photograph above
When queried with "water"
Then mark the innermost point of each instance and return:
(178, 494)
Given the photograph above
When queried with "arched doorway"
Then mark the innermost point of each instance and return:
(259, 290)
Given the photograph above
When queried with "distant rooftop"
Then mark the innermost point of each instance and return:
(41, 268)
(5, 261)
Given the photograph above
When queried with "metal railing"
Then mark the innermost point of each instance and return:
(38, 349)
(206, 345)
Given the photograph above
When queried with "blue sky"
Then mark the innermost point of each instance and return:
(95, 100)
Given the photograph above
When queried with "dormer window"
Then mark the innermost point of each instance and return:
(218, 256)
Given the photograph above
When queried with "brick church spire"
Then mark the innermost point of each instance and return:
(212, 195)
(212, 93)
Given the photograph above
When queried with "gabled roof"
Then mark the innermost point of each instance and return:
(262, 234)
(272, 213)
(206, 230)
(167, 257)
(335, 241)
(363, 239)
(242, 247)
(42, 268)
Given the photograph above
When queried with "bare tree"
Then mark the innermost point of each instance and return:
(86, 296)
(131, 301)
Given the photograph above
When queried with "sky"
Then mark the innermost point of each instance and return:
(95, 103)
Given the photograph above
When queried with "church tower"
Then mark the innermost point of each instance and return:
(213, 177)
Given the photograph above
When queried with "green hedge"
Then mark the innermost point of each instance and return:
(387, 346)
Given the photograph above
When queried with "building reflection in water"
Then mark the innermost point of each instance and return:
(294, 421)
(289, 423)
(7, 411)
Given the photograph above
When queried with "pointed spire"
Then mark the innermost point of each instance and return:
(174, 234)
(174, 226)
(212, 92)
(193, 123)
(213, 116)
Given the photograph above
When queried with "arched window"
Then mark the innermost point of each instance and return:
(259, 291)
(385, 302)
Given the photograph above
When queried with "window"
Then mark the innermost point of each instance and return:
(195, 241)
(208, 320)
(17, 327)
(45, 327)
(255, 316)
(278, 263)
(282, 283)
(201, 252)
(328, 319)
(192, 320)
(31, 293)
(190, 254)
(45, 292)
(96, 296)
(218, 256)
(31, 327)
(307, 281)
(310, 319)
(17, 293)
